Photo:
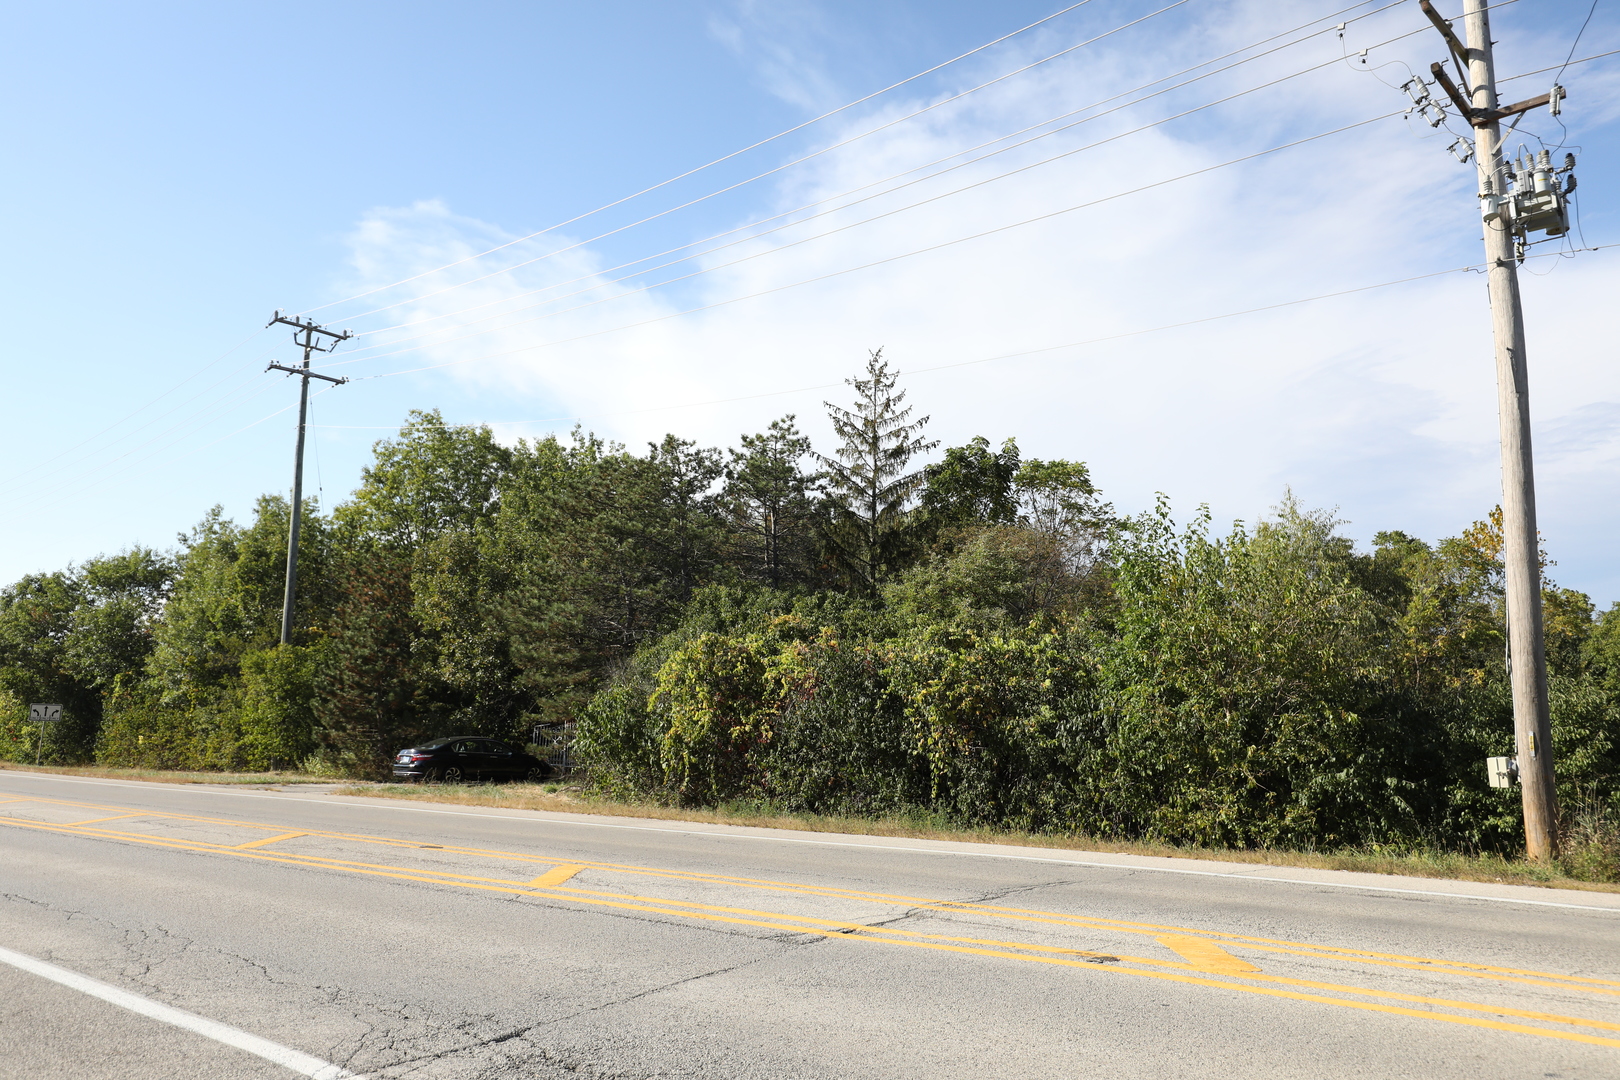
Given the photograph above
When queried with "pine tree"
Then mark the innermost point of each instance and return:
(870, 482)
(367, 698)
(770, 504)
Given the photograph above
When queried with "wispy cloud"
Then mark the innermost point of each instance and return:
(1382, 403)
(783, 42)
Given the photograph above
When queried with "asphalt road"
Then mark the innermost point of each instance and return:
(390, 939)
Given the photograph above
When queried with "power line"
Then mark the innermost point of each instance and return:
(887, 179)
(727, 157)
(843, 228)
(732, 187)
(895, 258)
(1264, 41)
(136, 412)
(1560, 67)
(62, 496)
(21, 481)
(1578, 35)
(242, 396)
(1475, 267)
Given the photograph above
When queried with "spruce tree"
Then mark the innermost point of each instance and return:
(869, 480)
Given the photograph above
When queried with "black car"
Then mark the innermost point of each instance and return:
(467, 757)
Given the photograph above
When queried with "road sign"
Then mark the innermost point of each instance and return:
(42, 715)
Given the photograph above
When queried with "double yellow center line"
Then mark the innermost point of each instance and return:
(1204, 961)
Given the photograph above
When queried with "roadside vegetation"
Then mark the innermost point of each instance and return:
(981, 645)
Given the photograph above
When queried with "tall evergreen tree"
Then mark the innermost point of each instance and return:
(770, 504)
(870, 482)
(367, 699)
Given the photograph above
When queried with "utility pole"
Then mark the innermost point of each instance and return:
(1514, 202)
(304, 335)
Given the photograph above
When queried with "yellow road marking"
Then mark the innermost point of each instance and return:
(1096, 922)
(884, 935)
(556, 875)
(1267, 944)
(1207, 956)
(268, 840)
(1320, 951)
(1153, 929)
(114, 817)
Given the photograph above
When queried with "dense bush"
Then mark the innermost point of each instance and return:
(981, 640)
(1271, 687)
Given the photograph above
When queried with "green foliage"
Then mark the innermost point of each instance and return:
(67, 638)
(980, 641)
(277, 712)
(368, 698)
(769, 506)
(869, 479)
(227, 596)
(993, 577)
(972, 486)
(1601, 652)
(1242, 688)
(433, 479)
(1267, 687)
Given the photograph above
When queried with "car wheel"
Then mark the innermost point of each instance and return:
(537, 774)
(453, 775)
(432, 776)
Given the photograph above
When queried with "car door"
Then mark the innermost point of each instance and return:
(502, 761)
(469, 759)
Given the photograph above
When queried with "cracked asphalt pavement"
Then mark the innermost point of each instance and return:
(398, 939)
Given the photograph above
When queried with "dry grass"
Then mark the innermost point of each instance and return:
(1592, 843)
(1428, 864)
(164, 776)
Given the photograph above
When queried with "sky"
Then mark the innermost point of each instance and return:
(1193, 243)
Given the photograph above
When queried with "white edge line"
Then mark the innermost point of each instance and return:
(1236, 875)
(296, 1060)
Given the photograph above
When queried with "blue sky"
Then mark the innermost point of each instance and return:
(179, 171)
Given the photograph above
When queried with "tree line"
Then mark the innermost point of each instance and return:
(983, 639)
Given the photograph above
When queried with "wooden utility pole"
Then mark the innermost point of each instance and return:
(304, 335)
(1520, 542)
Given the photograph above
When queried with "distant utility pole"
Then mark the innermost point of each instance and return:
(305, 335)
(1516, 199)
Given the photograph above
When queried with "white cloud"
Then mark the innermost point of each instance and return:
(1382, 402)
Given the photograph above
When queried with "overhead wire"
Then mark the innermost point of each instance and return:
(12, 476)
(596, 276)
(238, 398)
(227, 400)
(1565, 66)
(22, 479)
(259, 392)
(720, 160)
(830, 232)
(724, 190)
(894, 258)
(1560, 67)
(1473, 267)
(936, 247)
(1578, 35)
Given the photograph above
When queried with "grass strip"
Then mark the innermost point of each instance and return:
(171, 776)
(1447, 865)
